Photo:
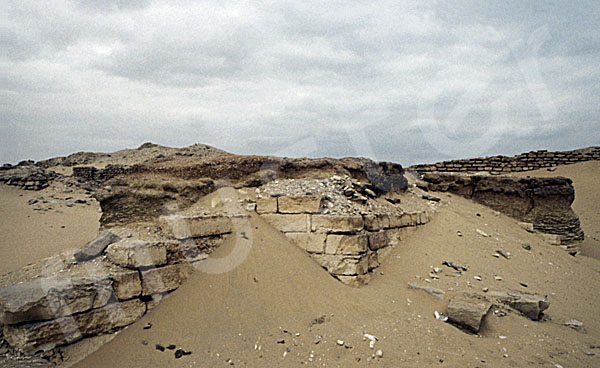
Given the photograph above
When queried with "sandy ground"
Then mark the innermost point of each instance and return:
(586, 180)
(253, 312)
(254, 302)
(28, 235)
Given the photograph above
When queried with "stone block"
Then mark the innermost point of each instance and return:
(163, 279)
(299, 204)
(53, 297)
(32, 337)
(408, 219)
(289, 223)
(378, 240)
(468, 310)
(95, 247)
(377, 222)
(266, 205)
(343, 265)
(137, 253)
(396, 235)
(346, 244)
(126, 283)
(310, 242)
(184, 227)
(337, 224)
(374, 260)
(356, 280)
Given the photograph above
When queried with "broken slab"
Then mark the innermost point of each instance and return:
(436, 293)
(95, 247)
(343, 265)
(468, 310)
(32, 337)
(184, 227)
(530, 305)
(137, 253)
(163, 279)
(126, 283)
(53, 297)
(346, 244)
(299, 204)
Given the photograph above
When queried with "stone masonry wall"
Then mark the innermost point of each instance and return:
(107, 284)
(349, 247)
(497, 165)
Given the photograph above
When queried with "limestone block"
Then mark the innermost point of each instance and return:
(396, 235)
(378, 240)
(334, 223)
(374, 222)
(289, 223)
(163, 279)
(299, 204)
(137, 253)
(346, 244)
(374, 260)
(408, 219)
(31, 337)
(468, 310)
(184, 227)
(343, 265)
(310, 242)
(266, 205)
(126, 283)
(356, 280)
(52, 297)
(95, 247)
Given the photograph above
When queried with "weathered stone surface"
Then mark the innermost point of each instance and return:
(346, 244)
(310, 242)
(299, 204)
(373, 260)
(374, 222)
(356, 280)
(137, 253)
(436, 293)
(468, 310)
(551, 239)
(378, 240)
(163, 279)
(126, 283)
(343, 265)
(530, 305)
(333, 223)
(184, 227)
(53, 297)
(32, 337)
(266, 205)
(396, 235)
(95, 247)
(289, 223)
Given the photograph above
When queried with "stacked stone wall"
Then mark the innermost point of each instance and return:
(92, 174)
(349, 247)
(497, 165)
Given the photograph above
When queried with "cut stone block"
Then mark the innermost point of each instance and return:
(184, 227)
(266, 205)
(53, 297)
(346, 244)
(530, 305)
(343, 265)
(310, 242)
(137, 253)
(126, 283)
(337, 224)
(468, 310)
(378, 240)
(32, 337)
(163, 279)
(299, 204)
(396, 235)
(289, 223)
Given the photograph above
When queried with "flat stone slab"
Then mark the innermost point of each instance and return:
(337, 224)
(530, 305)
(164, 279)
(289, 223)
(137, 253)
(184, 227)
(346, 244)
(95, 247)
(468, 310)
(50, 298)
(32, 337)
(299, 204)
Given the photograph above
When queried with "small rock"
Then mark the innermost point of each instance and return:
(148, 326)
(482, 233)
(468, 310)
(456, 267)
(160, 347)
(430, 198)
(379, 353)
(171, 347)
(497, 278)
(179, 353)
(526, 246)
(340, 342)
(503, 253)
(478, 278)
(576, 325)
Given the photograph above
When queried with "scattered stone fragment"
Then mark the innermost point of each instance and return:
(468, 310)
(497, 278)
(148, 326)
(340, 342)
(458, 233)
(482, 233)
(379, 353)
(179, 353)
(576, 325)
(436, 293)
(171, 347)
(478, 278)
(503, 253)
(523, 284)
(531, 306)
(430, 198)
(160, 347)
(456, 267)
(526, 246)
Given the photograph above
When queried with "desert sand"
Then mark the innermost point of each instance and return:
(266, 310)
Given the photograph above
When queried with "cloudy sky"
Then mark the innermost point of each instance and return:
(392, 80)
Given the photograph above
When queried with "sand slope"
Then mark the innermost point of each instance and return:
(222, 317)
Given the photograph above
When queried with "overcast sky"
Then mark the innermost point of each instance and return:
(393, 80)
